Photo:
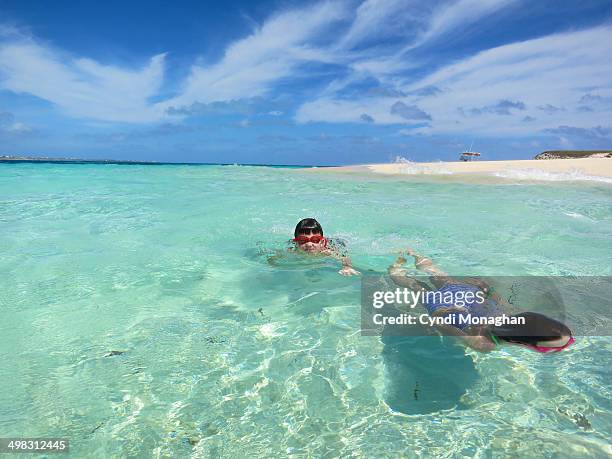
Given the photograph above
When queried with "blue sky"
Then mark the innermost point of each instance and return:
(328, 82)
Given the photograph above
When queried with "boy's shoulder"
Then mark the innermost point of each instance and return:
(337, 245)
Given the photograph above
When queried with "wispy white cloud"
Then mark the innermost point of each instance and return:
(251, 65)
(544, 72)
(379, 18)
(80, 87)
(495, 91)
(512, 89)
(10, 126)
(414, 24)
(85, 88)
(453, 15)
(334, 110)
(10, 30)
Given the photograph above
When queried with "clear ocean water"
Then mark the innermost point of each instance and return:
(139, 316)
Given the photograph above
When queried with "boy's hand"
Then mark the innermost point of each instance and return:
(397, 270)
(400, 261)
(348, 271)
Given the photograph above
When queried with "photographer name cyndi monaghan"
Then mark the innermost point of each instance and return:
(452, 319)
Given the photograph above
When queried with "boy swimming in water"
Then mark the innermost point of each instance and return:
(535, 331)
(308, 239)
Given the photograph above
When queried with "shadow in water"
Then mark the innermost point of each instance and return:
(295, 285)
(425, 374)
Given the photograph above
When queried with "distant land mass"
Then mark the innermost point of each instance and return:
(551, 154)
(570, 154)
(44, 159)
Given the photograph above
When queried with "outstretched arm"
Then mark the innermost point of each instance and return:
(347, 266)
(439, 277)
(397, 273)
(422, 263)
(273, 259)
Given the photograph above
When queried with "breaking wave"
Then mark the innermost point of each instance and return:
(412, 168)
(540, 175)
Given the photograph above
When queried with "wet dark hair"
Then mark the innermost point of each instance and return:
(537, 328)
(306, 225)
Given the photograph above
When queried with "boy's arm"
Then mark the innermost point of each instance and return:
(347, 266)
(397, 273)
(272, 259)
(439, 277)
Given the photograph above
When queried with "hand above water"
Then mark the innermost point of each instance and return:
(348, 271)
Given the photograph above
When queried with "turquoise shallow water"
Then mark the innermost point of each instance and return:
(219, 353)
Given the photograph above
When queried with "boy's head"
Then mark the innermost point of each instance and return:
(309, 235)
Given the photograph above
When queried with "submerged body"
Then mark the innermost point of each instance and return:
(482, 319)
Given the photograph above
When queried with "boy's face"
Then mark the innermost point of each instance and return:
(306, 241)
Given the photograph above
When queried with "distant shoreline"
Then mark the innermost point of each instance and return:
(596, 163)
(137, 163)
(551, 169)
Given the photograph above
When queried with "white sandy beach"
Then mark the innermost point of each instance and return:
(526, 169)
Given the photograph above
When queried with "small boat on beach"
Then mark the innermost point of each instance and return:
(469, 155)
